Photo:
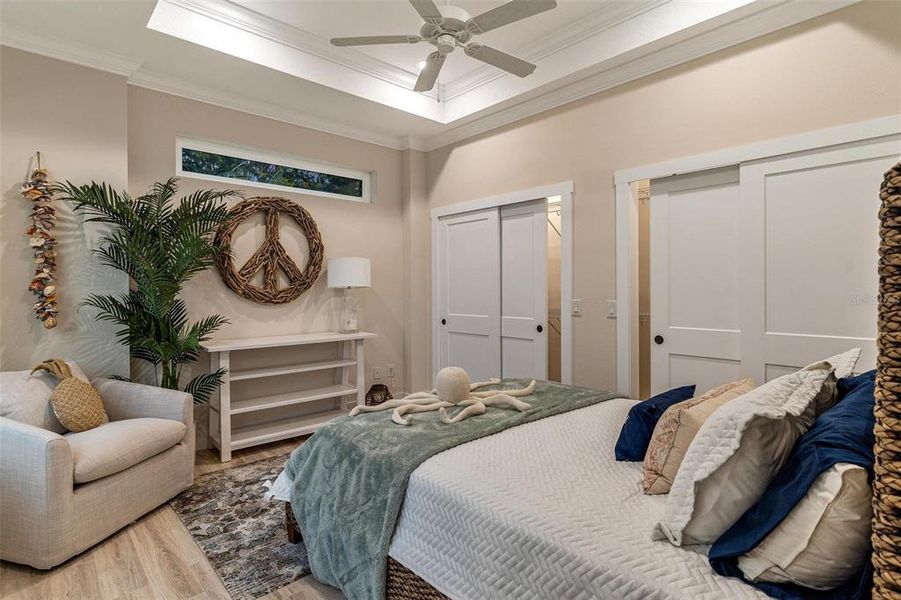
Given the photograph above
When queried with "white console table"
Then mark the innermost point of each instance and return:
(227, 436)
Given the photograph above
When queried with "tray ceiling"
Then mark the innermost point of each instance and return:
(273, 58)
(383, 17)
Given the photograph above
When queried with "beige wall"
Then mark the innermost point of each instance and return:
(417, 269)
(76, 118)
(91, 125)
(348, 228)
(837, 69)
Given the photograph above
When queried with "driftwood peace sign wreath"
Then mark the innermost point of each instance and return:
(271, 256)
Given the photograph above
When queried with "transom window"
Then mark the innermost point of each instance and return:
(221, 162)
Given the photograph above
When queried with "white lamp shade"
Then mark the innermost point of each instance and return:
(348, 272)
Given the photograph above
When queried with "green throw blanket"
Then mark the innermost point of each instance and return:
(350, 479)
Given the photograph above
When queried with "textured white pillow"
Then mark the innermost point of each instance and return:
(741, 447)
(824, 540)
(26, 398)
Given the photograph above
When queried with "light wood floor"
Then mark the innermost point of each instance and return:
(154, 557)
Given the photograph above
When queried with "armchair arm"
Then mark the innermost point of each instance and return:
(126, 400)
(36, 470)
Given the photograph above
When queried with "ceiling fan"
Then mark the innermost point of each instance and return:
(449, 27)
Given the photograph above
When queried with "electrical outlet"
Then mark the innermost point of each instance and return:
(377, 374)
(577, 307)
(389, 371)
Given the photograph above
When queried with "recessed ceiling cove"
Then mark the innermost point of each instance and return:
(566, 43)
(273, 58)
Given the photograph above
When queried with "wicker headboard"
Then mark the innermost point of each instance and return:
(887, 486)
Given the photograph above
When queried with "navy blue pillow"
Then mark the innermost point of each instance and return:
(842, 434)
(635, 436)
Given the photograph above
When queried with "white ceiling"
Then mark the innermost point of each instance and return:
(273, 58)
(328, 19)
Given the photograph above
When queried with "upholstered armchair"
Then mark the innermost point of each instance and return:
(61, 493)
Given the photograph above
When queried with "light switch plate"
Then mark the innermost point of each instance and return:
(577, 307)
(377, 374)
(389, 371)
(611, 309)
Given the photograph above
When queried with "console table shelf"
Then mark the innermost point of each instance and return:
(254, 435)
(290, 422)
(302, 368)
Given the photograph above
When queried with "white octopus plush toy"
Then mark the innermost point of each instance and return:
(452, 388)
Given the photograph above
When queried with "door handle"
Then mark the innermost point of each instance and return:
(540, 328)
(444, 321)
(658, 339)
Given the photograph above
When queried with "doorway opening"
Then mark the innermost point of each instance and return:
(554, 322)
(641, 193)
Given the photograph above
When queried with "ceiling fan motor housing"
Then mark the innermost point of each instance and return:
(446, 43)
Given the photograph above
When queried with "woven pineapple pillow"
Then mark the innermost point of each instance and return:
(75, 402)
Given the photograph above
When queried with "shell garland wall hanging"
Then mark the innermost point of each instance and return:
(43, 285)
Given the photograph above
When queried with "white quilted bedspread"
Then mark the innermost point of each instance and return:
(544, 511)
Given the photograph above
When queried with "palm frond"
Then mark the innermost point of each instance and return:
(201, 330)
(99, 202)
(203, 386)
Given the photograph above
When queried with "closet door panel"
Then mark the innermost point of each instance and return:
(524, 290)
(695, 319)
(810, 239)
(468, 293)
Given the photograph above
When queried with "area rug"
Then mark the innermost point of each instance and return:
(242, 534)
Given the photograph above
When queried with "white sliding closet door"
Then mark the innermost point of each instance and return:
(809, 245)
(524, 290)
(469, 293)
(695, 320)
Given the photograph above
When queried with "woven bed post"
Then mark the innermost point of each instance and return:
(887, 486)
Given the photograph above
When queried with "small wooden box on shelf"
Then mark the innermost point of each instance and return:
(294, 416)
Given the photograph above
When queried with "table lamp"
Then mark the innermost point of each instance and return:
(346, 273)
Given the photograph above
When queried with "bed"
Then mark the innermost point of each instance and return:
(512, 515)
(477, 519)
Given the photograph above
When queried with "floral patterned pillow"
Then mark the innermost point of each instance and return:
(677, 428)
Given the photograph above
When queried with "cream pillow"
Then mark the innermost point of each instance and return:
(824, 540)
(26, 398)
(741, 447)
(677, 428)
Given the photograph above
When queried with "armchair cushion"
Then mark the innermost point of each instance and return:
(26, 398)
(127, 400)
(119, 445)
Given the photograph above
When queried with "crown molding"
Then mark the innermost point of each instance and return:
(266, 27)
(136, 75)
(763, 19)
(68, 52)
(411, 142)
(595, 24)
(770, 18)
(169, 85)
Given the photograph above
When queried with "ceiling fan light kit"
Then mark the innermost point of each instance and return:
(449, 27)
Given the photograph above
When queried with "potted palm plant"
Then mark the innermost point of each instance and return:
(161, 243)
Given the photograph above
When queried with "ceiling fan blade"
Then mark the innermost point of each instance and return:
(371, 40)
(429, 74)
(428, 11)
(499, 59)
(513, 11)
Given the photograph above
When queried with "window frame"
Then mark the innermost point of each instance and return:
(286, 160)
